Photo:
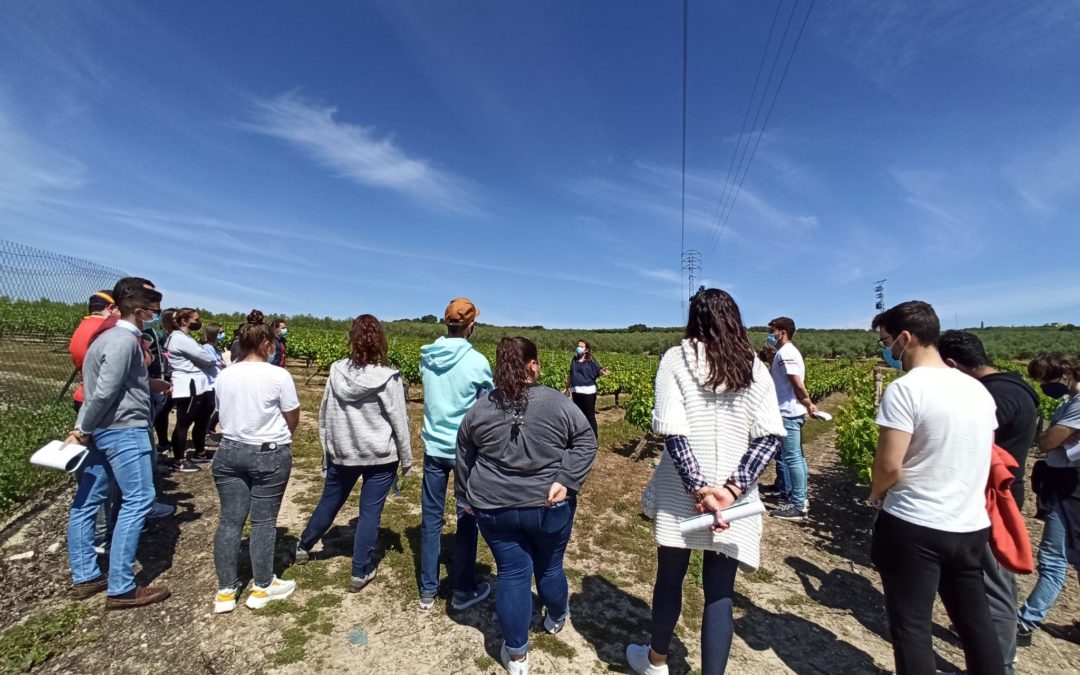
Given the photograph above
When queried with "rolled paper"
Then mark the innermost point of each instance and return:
(55, 455)
(729, 515)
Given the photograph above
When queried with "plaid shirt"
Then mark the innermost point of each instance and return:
(753, 462)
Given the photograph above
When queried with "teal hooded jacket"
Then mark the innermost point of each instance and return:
(454, 375)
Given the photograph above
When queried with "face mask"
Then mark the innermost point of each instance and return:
(892, 361)
(195, 325)
(154, 321)
(1054, 389)
(580, 351)
(771, 338)
(221, 337)
(283, 332)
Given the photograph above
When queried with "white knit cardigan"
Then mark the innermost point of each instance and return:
(719, 426)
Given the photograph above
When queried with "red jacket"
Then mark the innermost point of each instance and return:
(1008, 531)
(80, 342)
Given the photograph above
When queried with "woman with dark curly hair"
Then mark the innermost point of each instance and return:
(523, 452)
(364, 431)
(716, 408)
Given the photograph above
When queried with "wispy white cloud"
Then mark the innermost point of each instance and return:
(30, 170)
(359, 153)
(885, 40)
(1051, 178)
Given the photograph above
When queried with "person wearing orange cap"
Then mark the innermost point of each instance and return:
(454, 375)
(102, 313)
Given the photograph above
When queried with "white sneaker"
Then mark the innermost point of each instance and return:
(225, 600)
(261, 596)
(637, 656)
(513, 667)
(552, 626)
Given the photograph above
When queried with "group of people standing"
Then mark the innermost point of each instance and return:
(520, 453)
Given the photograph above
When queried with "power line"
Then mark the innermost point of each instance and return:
(685, 61)
(730, 192)
(746, 115)
(768, 116)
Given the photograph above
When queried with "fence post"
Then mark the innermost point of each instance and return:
(878, 382)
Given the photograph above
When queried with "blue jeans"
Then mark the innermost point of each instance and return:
(437, 472)
(528, 542)
(1052, 566)
(792, 464)
(122, 455)
(250, 480)
(340, 481)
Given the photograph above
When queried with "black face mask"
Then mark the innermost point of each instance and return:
(1054, 389)
(195, 325)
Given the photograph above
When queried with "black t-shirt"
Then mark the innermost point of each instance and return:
(1017, 416)
(583, 373)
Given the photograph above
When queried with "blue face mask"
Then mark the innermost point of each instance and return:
(221, 337)
(771, 338)
(154, 321)
(283, 332)
(892, 361)
(580, 351)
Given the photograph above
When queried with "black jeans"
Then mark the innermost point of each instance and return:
(587, 404)
(717, 624)
(916, 563)
(192, 410)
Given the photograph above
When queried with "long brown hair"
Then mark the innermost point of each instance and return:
(588, 351)
(209, 334)
(368, 341)
(716, 323)
(512, 357)
(1054, 366)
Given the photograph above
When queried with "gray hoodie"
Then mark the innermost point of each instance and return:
(363, 421)
(507, 462)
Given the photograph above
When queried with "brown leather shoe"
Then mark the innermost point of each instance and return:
(144, 595)
(89, 588)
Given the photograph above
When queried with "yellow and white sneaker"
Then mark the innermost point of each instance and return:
(261, 596)
(225, 600)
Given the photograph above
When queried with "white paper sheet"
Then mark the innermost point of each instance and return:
(54, 455)
(1072, 451)
(729, 515)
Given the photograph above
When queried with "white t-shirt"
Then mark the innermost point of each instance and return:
(250, 399)
(951, 418)
(788, 361)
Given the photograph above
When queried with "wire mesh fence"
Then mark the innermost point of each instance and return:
(43, 297)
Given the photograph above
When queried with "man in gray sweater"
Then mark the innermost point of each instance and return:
(114, 423)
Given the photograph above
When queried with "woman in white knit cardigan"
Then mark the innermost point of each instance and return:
(716, 407)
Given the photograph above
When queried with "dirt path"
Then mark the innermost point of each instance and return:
(814, 607)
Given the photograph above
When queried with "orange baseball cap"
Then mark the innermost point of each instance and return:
(460, 311)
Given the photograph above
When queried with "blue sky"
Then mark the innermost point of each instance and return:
(383, 157)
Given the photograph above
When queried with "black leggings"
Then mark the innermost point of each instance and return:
(717, 624)
(161, 423)
(587, 404)
(192, 410)
(916, 564)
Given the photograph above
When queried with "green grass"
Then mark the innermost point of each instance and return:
(25, 429)
(35, 641)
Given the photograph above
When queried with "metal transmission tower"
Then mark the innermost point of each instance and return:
(691, 262)
(879, 294)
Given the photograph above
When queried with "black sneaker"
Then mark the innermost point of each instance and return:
(186, 466)
(202, 457)
(773, 489)
(1023, 634)
(789, 512)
